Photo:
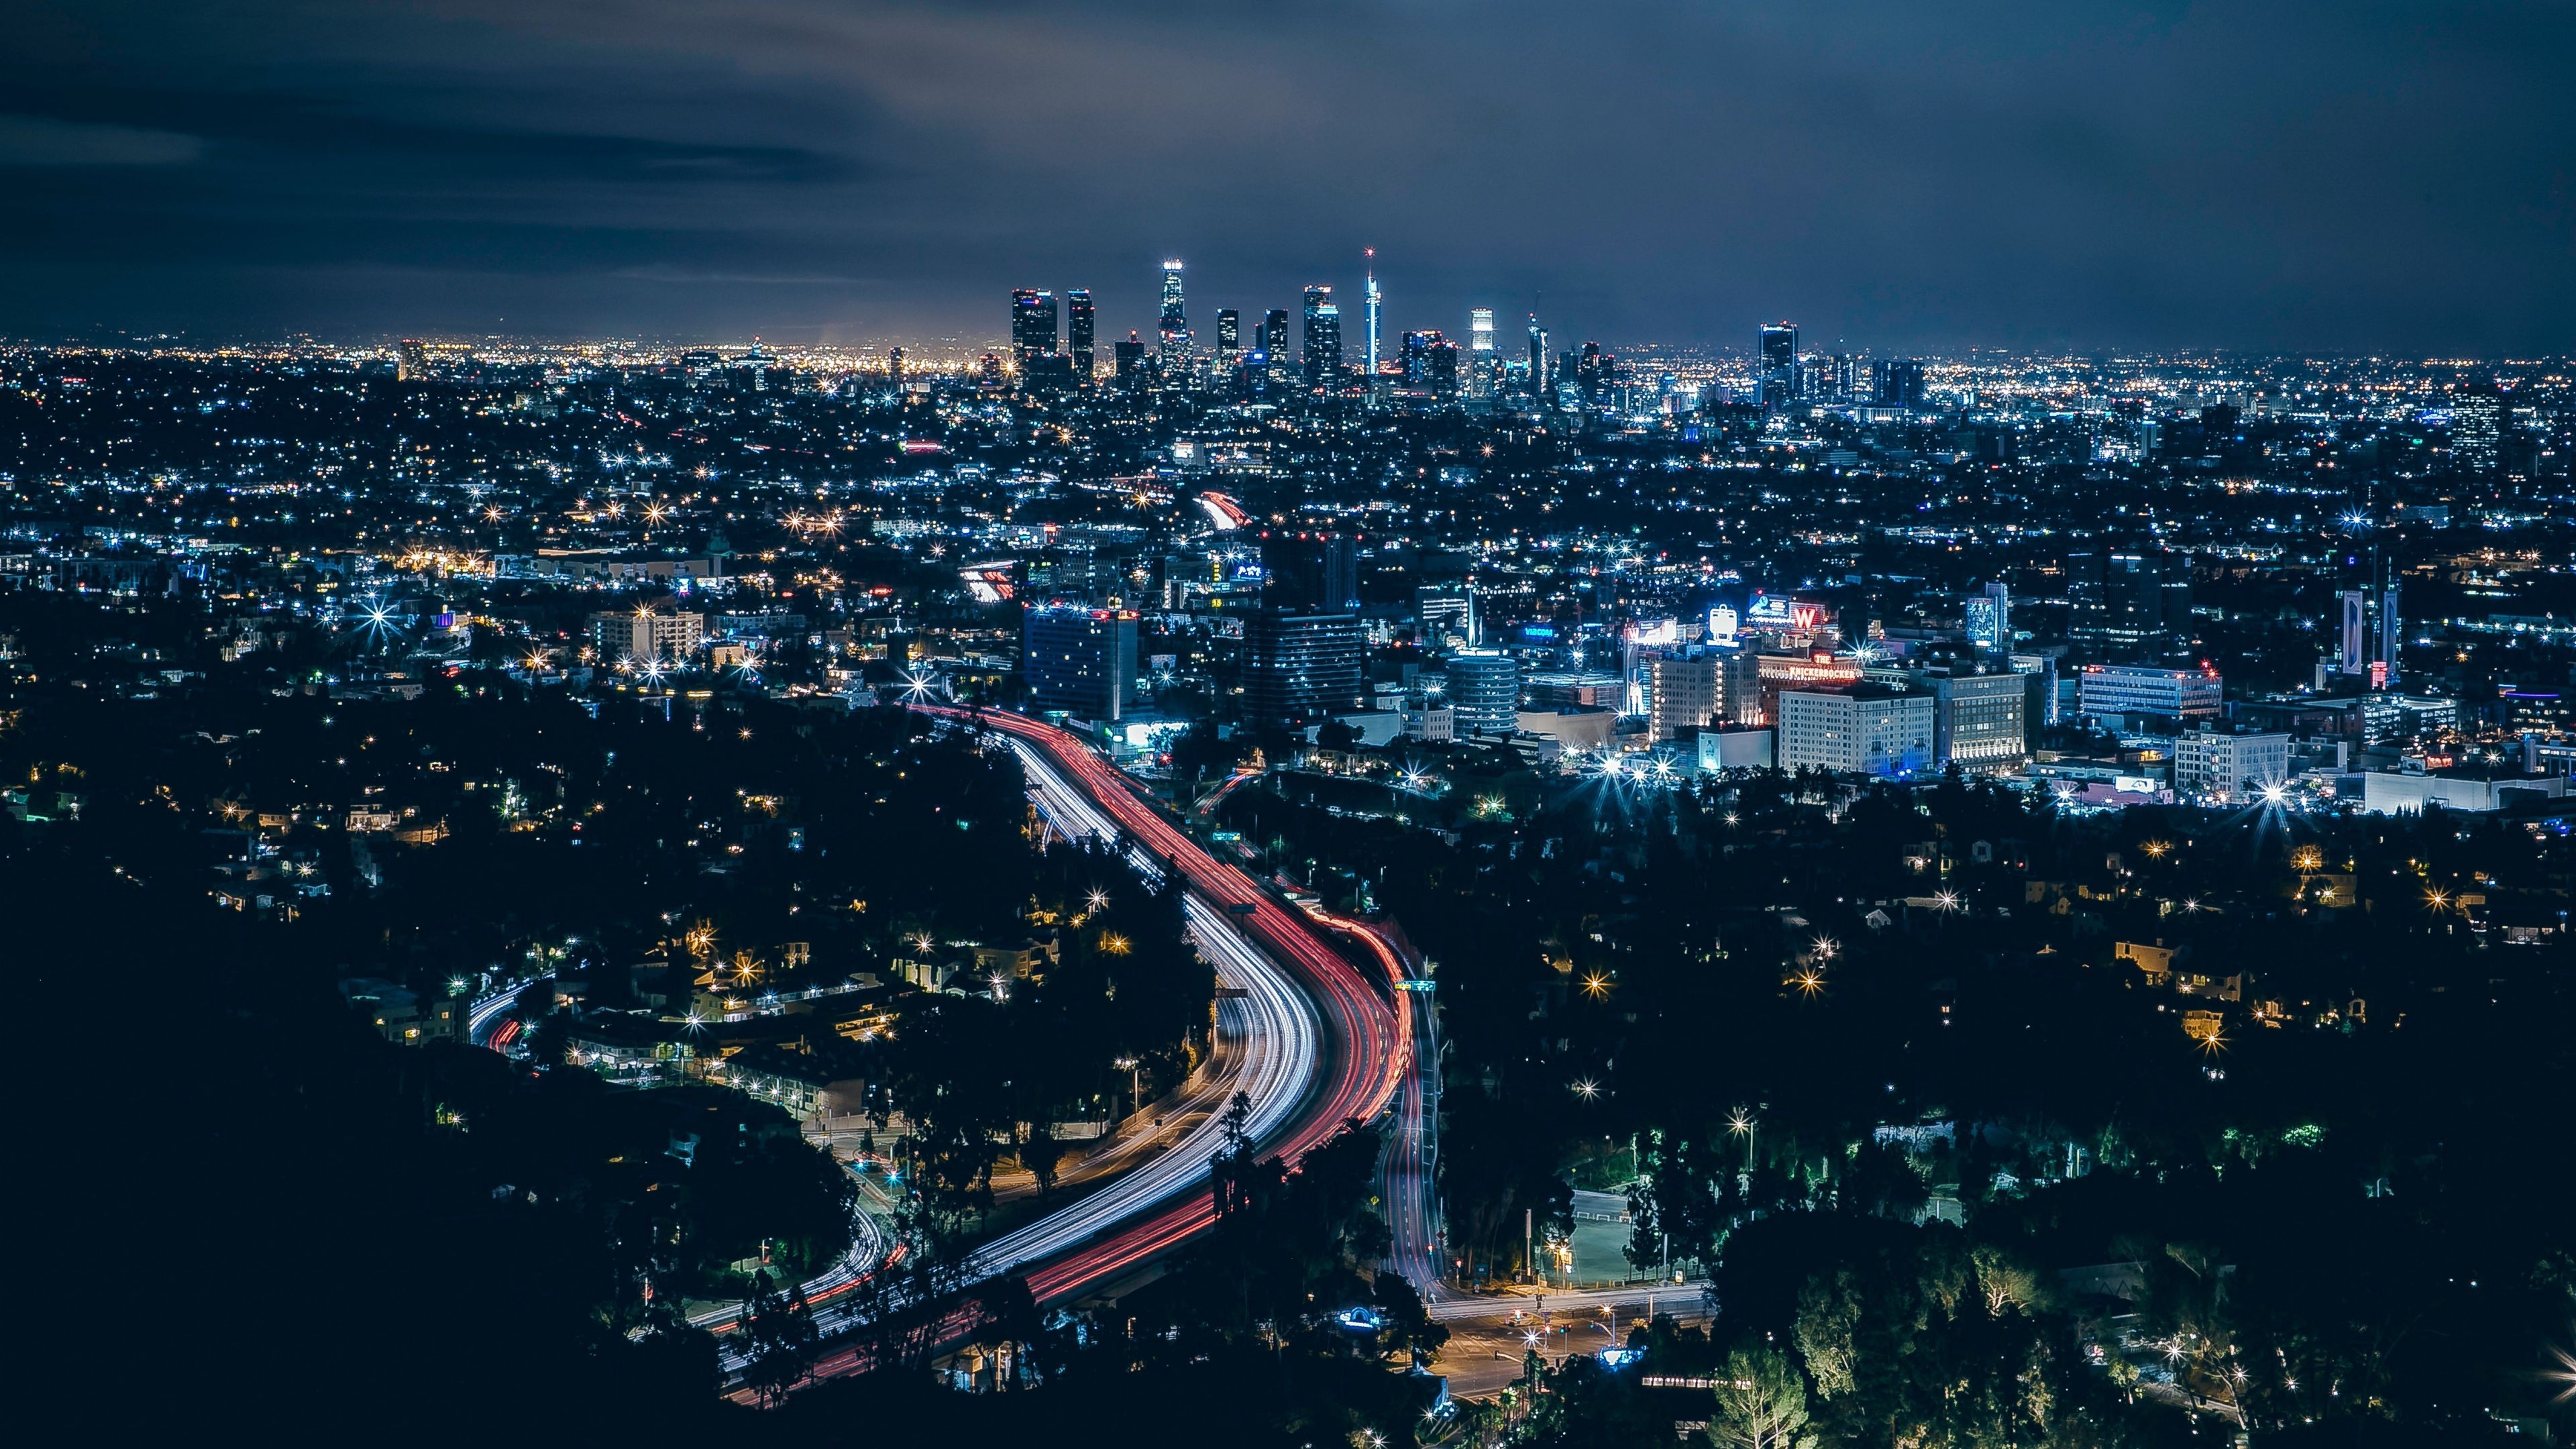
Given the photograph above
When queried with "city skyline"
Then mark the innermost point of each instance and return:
(2087, 178)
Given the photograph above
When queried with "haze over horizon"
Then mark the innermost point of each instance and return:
(2087, 177)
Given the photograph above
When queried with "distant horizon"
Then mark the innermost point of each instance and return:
(999, 344)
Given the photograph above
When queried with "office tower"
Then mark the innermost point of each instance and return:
(1683, 693)
(1229, 333)
(1079, 660)
(1989, 618)
(2216, 762)
(1130, 358)
(1846, 380)
(1485, 691)
(1032, 326)
(1480, 329)
(1415, 359)
(2112, 691)
(1864, 729)
(2128, 604)
(1310, 571)
(2477, 426)
(1297, 665)
(1175, 326)
(1323, 349)
(2355, 632)
(2039, 690)
(1274, 334)
(1896, 383)
(1444, 368)
(2390, 636)
(1979, 719)
(1776, 368)
(1539, 383)
(1739, 687)
(1372, 302)
(411, 361)
(1077, 332)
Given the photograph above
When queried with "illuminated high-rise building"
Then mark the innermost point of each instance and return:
(1896, 383)
(1777, 365)
(1278, 344)
(1372, 303)
(1323, 345)
(1538, 379)
(1480, 329)
(1989, 618)
(1077, 331)
(1033, 321)
(1175, 326)
(2477, 427)
(1229, 334)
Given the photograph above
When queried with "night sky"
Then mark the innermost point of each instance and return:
(2342, 176)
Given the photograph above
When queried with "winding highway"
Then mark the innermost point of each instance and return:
(1342, 1039)
(1412, 1198)
(1321, 1043)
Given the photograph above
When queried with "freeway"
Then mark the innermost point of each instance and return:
(1273, 1016)
(1354, 1061)
(1412, 1199)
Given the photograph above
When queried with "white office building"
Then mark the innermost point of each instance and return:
(1867, 729)
(2207, 762)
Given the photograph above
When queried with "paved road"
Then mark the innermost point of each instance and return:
(1407, 1168)
(1355, 1061)
(1322, 1042)
(1490, 1335)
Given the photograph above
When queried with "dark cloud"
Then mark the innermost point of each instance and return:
(2296, 175)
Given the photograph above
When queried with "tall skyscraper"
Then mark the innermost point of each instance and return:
(1989, 618)
(2128, 604)
(1480, 329)
(1300, 665)
(1130, 356)
(1538, 378)
(1032, 326)
(1778, 364)
(2390, 635)
(2355, 639)
(1077, 331)
(1229, 334)
(1372, 305)
(1175, 326)
(2477, 426)
(1323, 349)
(1416, 358)
(1310, 571)
(1896, 383)
(1080, 660)
(1278, 345)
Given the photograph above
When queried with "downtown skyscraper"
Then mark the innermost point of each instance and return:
(1323, 342)
(1078, 332)
(1175, 325)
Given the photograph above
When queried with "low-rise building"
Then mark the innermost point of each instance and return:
(2229, 766)
(2115, 691)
